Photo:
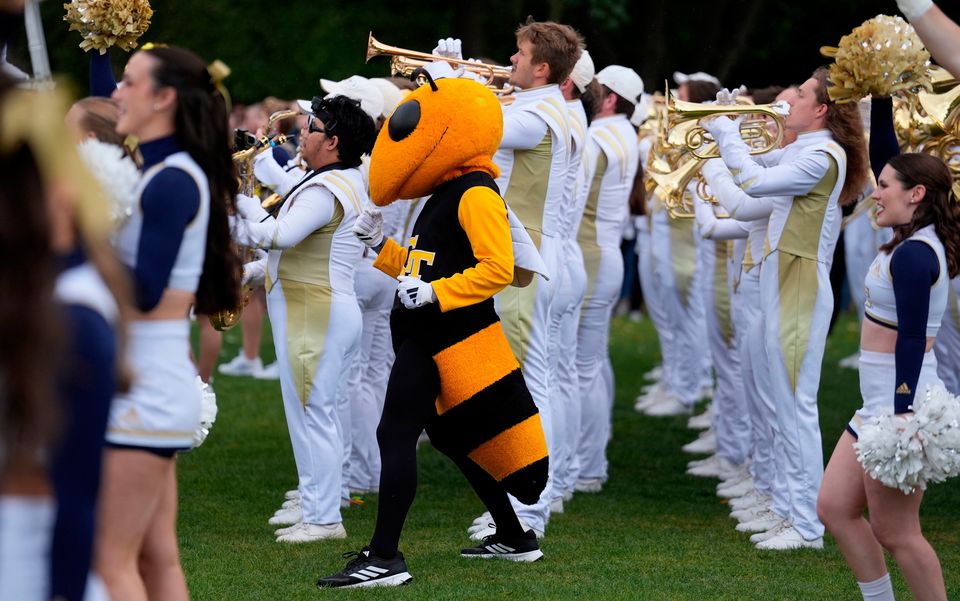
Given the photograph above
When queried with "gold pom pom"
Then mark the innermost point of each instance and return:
(882, 56)
(107, 23)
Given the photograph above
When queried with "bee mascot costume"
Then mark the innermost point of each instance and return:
(454, 373)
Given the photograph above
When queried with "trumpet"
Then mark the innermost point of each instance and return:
(688, 136)
(753, 131)
(405, 62)
(243, 161)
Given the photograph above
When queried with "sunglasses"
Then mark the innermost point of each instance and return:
(313, 128)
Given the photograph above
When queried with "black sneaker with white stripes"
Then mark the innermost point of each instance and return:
(366, 569)
(525, 548)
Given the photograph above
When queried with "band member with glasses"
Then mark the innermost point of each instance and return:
(308, 274)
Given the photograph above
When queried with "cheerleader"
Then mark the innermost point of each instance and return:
(177, 247)
(907, 289)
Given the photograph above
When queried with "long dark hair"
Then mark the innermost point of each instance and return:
(29, 320)
(844, 123)
(939, 206)
(202, 130)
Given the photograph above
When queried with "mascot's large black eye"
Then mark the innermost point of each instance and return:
(404, 120)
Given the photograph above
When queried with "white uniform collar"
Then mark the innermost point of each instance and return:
(537, 93)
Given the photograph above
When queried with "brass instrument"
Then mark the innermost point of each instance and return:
(243, 161)
(753, 131)
(688, 144)
(929, 122)
(405, 62)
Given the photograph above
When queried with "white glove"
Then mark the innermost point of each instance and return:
(782, 107)
(448, 48)
(249, 207)
(912, 9)
(369, 227)
(255, 272)
(414, 292)
(720, 124)
(728, 97)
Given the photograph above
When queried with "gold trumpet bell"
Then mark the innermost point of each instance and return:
(753, 131)
(405, 62)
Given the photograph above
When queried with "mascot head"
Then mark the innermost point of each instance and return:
(442, 130)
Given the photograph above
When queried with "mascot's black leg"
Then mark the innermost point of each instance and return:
(408, 406)
(493, 496)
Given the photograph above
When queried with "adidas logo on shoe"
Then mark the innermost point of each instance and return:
(367, 570)
(523, 549)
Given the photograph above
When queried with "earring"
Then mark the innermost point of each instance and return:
(156, 107)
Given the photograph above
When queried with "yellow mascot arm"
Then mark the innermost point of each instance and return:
(391, 258)
(483, 216)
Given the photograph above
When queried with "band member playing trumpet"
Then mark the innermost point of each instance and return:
(312, 305)
(533, 160)
(826, 166)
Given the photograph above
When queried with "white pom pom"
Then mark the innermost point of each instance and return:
(908, 452)
(116, 173)
(208, 412)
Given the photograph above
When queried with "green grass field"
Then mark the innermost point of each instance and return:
(653, 533)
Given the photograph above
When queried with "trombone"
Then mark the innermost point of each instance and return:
(405, 62)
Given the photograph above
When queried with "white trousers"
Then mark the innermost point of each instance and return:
(730, 417)
(525, 314)
(565, 389)
(368, 375)
(316, 336)
(652, 296)
(593, 357)
(797, 301)
(756, 386)
(682, 299)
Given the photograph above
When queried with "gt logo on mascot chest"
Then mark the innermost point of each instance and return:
(415, 258)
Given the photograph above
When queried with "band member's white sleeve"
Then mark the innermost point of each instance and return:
(713, 228)
(522, 130)
(273, 175)
(740, 205)
(312, 209)
(793, 178)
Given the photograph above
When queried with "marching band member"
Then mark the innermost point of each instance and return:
(533, 160)
(312, 304)
(612, 157)
(722, 253)
(768, 504)
(825, 166)
(907, 290)
(571, 287)
(674, 254)
(177, 245)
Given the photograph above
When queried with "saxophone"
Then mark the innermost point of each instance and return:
(243, 159)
